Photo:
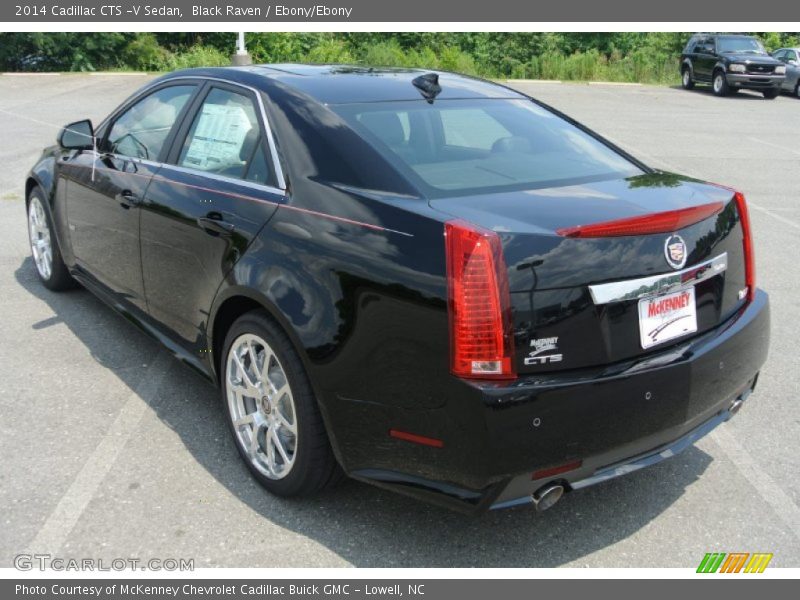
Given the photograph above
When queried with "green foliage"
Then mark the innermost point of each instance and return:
(624, 56)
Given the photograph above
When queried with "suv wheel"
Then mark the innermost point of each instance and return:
(272, 411)
(720, 84)
(797, 89)
(686, 78)
(771, 94)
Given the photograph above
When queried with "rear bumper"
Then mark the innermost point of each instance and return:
(615, 420)
(754, 82)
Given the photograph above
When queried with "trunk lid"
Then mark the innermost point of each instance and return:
(559, 321)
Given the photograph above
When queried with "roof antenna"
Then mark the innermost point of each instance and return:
(428, 85)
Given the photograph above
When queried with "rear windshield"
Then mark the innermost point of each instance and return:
(464, 147)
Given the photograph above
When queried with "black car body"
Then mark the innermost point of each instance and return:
(465, 303)
(730, 63)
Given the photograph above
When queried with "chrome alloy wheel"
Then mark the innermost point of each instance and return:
(687, 78)
(261, 406)
(41, 247)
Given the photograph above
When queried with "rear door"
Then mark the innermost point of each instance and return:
(217, 189)
(106, 189)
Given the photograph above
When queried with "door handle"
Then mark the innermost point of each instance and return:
(128, 199)
(215, 225)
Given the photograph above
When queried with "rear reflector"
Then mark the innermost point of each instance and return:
(543, 473)
(660, 222)
(747, 243)
(416, 439)
(479, 304)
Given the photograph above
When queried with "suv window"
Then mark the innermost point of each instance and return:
(142, 130)
(225, 138)
(740, 45)
(691, 45)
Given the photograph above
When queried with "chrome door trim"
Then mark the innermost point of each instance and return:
(644, 287)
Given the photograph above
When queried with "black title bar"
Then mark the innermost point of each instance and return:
(471, 11)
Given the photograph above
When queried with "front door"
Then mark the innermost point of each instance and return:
(106, 188)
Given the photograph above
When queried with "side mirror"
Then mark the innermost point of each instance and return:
(77, 136)
(794, 63)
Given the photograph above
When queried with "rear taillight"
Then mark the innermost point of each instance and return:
(660, 222)
(747, 244)
(479, 304)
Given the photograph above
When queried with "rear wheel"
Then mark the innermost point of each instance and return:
(50, 267)
(686, 78)
(719, 84)
(797, 89)
(272, 411)
(771, 94)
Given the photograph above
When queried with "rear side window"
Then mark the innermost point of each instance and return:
(225, 138)
(142, 130)
(462, 147)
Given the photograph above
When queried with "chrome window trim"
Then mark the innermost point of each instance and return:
(645, 287)
(261, 187)
(273, 149)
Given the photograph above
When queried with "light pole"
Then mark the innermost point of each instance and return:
(241, 57)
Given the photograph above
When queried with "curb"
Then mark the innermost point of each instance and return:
(622, 83)
(625, 83)
(533, 80)
(15, 74)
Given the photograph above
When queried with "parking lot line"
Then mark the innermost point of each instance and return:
(69, 509)
(774, 145)
(774, 215)
(767, 488)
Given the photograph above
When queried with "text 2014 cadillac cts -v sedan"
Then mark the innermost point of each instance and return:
(425, 281)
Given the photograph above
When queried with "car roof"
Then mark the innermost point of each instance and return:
(348, 84)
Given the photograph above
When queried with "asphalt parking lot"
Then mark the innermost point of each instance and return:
(110, 448)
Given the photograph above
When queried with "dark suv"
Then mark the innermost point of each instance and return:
(730, 63)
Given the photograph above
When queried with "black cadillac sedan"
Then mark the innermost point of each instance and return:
(424, 281)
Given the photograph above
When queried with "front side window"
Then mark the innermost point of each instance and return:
(462, 147)
(225, 138)
(142, 130)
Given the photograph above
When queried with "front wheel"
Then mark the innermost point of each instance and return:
(686, 79)
(720, 84)
(272, 411)
(797, 89)
(50, 267)
(771, 94)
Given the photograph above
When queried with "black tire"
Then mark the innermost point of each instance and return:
(797, 89)
(771, 94)
(719, 84)
(686, 78)
(315, 467)
(57, 278)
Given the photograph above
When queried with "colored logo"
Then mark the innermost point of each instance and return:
(734, 562)
(675, 251)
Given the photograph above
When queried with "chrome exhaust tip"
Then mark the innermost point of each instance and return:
(546, 496)
(735, 406)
